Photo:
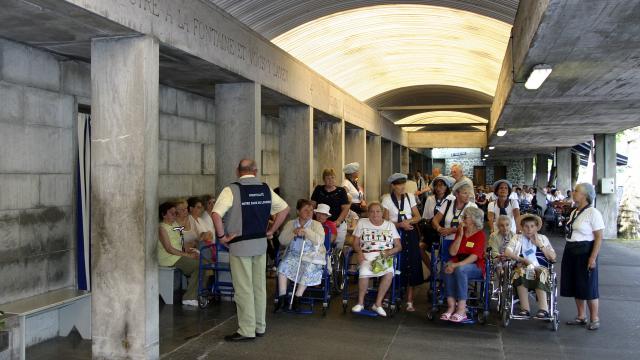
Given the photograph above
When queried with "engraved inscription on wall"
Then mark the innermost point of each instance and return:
(210, 35)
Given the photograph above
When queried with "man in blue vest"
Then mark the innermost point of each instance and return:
(241, 219)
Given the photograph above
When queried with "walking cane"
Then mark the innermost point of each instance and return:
(295, 282)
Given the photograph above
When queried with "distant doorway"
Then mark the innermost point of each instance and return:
(480, 175)
(499, 172)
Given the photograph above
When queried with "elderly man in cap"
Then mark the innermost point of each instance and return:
(241, 218)
(353, 188)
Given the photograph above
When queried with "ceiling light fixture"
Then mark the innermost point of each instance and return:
(501, 132)
(538, 75)
(491, 147)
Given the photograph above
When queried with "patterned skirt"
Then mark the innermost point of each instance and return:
(310, 274)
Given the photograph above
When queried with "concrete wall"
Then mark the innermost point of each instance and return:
(187, 159)
(515, 168)
(38, 156)
(39, 97)
(270, 151)
(515, 171)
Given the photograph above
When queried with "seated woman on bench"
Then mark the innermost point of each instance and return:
(172, 252)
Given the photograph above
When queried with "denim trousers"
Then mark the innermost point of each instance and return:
(457, 283)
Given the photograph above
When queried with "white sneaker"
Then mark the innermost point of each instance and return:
(357, 308)
(190, 302)
(379, 310)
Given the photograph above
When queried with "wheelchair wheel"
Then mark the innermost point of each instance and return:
(324, 309)
(345, 304)
(555, 323)
(203, 301)
(431, 314)
(392, 310)
(506, 309)
(505, 318)
(337, 276)
(482, 317)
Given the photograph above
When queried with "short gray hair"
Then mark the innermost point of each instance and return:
(588, 190)
(462, 186)
(504, 218)
(476, 215)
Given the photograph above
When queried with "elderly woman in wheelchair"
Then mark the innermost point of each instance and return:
(533, 256)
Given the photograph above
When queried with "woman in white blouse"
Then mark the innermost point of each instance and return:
(579, 275)
(354, 188)
(450, 211)
(441, 187)
(401, 208)
(504, 205)
(201, 227)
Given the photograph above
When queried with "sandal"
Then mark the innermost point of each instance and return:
(523, 312)
(577, 321)
(410, 307)
(594, 325)
(542, 314)
(446, 316)
(457, 318)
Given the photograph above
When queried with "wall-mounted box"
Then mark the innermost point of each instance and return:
(607, 186)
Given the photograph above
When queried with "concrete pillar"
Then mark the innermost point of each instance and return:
(124, 197)
(397, 158)
(575, 169)
(239, 128)
(330, 150)
(296, 153)
(528, 171)
(355, 150)
(605, 167)
(404, 160)
(374, 168)
(563, 169)
(542, 178)
(386, 164)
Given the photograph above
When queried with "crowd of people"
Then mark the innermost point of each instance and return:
(417, 212)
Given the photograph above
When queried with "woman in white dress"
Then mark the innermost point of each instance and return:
(376, 242)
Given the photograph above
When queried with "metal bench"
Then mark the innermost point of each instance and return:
(62, 309)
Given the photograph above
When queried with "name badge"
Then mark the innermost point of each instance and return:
(403, 212)
(469, 244)
(529, 252)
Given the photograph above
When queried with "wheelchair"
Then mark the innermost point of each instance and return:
(312, 294)
(221, 284)
(350, 272)
(497, 283)
(478, 304)
(510, 298)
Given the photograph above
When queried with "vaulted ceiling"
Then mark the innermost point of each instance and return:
(404, 58)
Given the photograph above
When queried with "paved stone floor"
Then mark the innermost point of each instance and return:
(192, 334)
